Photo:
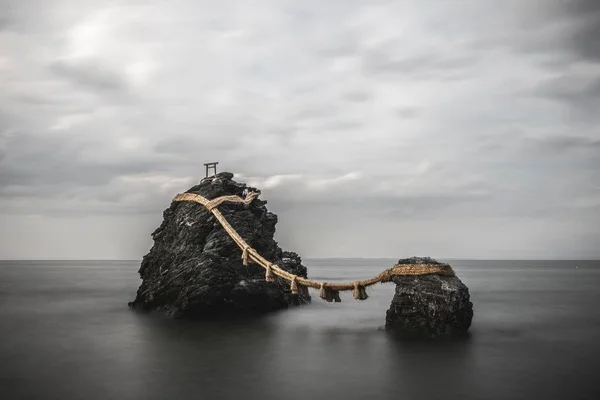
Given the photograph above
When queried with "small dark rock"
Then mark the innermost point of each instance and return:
(195, 269)
(426, 306)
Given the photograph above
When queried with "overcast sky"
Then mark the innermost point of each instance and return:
(465, 129)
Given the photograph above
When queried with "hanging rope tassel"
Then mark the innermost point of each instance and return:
(325, 293)
(294, 286)
(303, 290)
(359, 292)
(356, 291)
(245, 255)
(322, 291)
(306, 291)
(363, 293)
(269, 277)
(336, 296)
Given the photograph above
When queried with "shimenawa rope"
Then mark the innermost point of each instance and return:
(298, 284)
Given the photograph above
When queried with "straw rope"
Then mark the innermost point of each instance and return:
(298, 284)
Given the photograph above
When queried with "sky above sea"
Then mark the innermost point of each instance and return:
(454, 129)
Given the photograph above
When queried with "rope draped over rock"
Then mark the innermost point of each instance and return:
(299, 285)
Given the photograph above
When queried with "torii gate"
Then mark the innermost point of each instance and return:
(211, 165)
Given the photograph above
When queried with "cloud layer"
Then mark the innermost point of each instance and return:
(379, 129)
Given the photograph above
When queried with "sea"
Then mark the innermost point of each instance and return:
(66, 333)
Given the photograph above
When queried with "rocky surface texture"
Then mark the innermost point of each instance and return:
(429, 305)
(194, 268)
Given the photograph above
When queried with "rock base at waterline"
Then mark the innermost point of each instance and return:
(429, 305)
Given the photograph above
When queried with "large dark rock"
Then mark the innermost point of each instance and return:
(195, 269)
(429, 305)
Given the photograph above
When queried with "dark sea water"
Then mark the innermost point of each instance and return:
(66, 333)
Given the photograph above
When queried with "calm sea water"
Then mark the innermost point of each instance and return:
(66, 333)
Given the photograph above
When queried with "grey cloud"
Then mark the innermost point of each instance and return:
(584, 38)
(407, 112)
(183, 145)
(569, 30)
(192, 152)
(556, 34)
(99, 205)
(207, 137)
(572, 88)
(314, 112)
(52, 164)
(5, 22)
(566, 143)
(60, 102)
(347, 46)
(9, 15)
(580, 94)
(90, 75)
(461, 206)
(177, 145)
(342, 125)
(357, 96)
(425, 66)
(475, 200)
(38, 100)
(429, 207)
(519, 144)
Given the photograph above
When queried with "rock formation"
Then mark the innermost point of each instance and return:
(195, 269)
(429, 305)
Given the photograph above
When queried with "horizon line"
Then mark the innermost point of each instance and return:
(322, 258)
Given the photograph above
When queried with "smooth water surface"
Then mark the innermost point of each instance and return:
(66, 333)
